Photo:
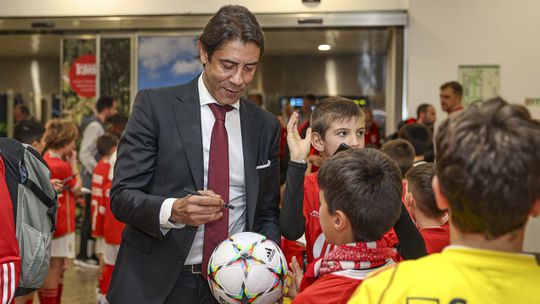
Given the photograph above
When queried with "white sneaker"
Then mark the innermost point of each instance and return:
(86, 263)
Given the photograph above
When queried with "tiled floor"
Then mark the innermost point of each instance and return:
(79, 286)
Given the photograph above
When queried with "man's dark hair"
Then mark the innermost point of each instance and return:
(105, 143)
(332, 109)
(365, 185)
(104, 102)
(231, 22)
(488, 166)
(456, 87)
(401, 152)
(423, 108)
(418, 135)
(419, 180)
(28, 131)
(24, 109)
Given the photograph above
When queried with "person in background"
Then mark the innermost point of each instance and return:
(420, 137)
(420, 200)
(118, 124)
(451, 94)
(21, 113)
(92, 128)
(401, 152)
(30, 132)
(101, 230)
(372, 138)
(426, 115)
(61, 157)
(487, 175)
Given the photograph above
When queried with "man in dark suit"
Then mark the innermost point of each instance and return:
(176, 139)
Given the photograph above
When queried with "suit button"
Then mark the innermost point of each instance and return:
(181, 261)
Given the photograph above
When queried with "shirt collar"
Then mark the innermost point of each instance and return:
(205, 97)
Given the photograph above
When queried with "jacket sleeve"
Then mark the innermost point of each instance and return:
(131, 202)
(291, 219)
(267, 219)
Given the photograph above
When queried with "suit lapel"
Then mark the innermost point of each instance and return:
(250, 144)
(187, 113)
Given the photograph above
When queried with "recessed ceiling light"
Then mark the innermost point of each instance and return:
(324, 47)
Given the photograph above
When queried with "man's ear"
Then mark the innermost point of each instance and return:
(442, 201)
(317, 141)
(535, 210)
(202, 53)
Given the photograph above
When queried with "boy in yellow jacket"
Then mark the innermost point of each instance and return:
(488, 175)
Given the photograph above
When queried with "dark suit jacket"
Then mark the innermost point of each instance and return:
(159, 154)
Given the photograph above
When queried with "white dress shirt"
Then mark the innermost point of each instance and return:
(237, 186)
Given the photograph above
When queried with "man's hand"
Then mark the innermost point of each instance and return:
(298, 147)
(196, 210)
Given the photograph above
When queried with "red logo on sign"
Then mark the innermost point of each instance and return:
(82, 76)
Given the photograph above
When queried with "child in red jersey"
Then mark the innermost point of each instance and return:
(9, 247)
(360, 200)
(60, 136)
(112, 233)
(420, 201)
(101, 184)
(334, 121)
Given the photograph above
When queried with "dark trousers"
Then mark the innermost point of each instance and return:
(191, 289)
(86, 230)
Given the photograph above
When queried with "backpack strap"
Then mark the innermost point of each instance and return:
(28, 183)
(39, 193)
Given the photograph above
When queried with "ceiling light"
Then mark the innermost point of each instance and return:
(324, 47)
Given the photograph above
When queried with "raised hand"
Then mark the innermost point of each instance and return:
(298, 147)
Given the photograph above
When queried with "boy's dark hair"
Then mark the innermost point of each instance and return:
(332, 109)
(456, 87)
(419, 180)
(488, 166)
(106, 143)
(401, 152)
(231, 22)
(28, 131)
(365, 185)
(418, 135)
(104, 102)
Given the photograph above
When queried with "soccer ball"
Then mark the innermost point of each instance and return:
(247, 268)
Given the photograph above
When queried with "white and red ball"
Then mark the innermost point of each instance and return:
(247, 268)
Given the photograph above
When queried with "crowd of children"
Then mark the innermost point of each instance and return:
(363, 214)
(57, 142)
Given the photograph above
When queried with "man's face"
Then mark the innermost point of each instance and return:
(230, 70)
(113, 110)
(449, 99)
(349, 131)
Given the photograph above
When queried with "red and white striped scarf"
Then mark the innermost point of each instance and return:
(357, 256)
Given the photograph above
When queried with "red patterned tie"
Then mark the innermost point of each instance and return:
(218, 181)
